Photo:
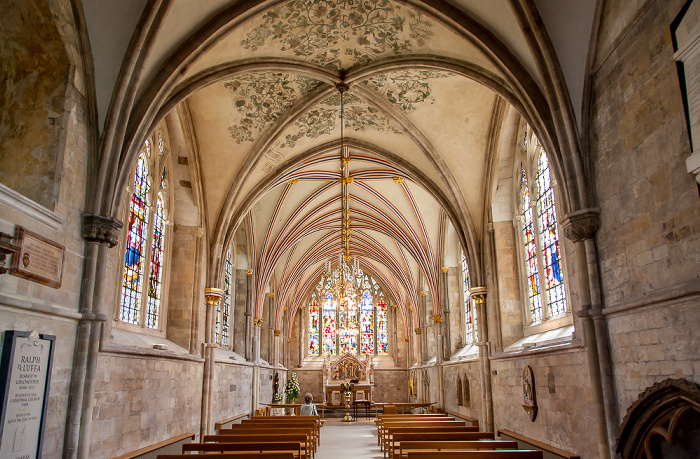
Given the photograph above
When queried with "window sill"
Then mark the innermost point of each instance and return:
(547, 339)
(549, 325)
(134, 343)
(468, 352)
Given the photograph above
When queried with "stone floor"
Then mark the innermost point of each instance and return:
(349, 441)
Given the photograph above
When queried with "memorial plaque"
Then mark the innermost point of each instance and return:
(39, 259)
(25, 375)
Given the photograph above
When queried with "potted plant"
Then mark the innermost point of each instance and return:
(291, 389)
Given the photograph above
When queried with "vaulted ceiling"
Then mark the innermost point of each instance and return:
(427, 82)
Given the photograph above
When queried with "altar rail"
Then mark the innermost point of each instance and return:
(170, 446)
(548, 451)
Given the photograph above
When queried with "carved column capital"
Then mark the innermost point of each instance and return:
(444, 269)
(478, 294)
(278, 332)
(581, 225)
(249, 272)
(101, 229)
(213, 295)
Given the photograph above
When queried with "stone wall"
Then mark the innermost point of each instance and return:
(566, 418)
(140, 401)
(390, 385)
(310, 381)
(232, 390)
(469, 371)
(182, 282)
(649, 239)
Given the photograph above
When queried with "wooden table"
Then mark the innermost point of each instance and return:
(405, 406)
(361, 403)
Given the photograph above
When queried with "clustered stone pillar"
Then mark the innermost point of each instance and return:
(580, 227)
(212, 296)
(100, 232)
(276, 349)
(257, 326)
(478, 294)
(269, 326)
(249, 315)
(447, 348)
(424, 340)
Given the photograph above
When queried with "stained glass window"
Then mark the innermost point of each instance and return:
(549, 237)
(367, 321)
(156, 277)
(382, 328)
(358, 325)
(136, 244)
(348, 339)
(543, 263)
(313, 327)
(469, 315)
(224, 307)
(328, 325)
(533, 280)
(141, 298)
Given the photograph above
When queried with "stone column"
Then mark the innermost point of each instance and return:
(580, 227)
(479, 296)
(249, 315)
(212, 296)
(418, 340)
(269, 325)
(444, 299)
(257, 328)
(301, 343)
(276, 349)
(409, 338)
(424, 337)
(100, 232)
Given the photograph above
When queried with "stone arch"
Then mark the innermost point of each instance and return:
(467, 394)
(664, 422)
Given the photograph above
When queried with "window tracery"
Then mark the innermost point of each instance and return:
(472, 330)
(141, 297)
(540, 235)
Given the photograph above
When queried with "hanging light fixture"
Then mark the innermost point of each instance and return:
(339, 282)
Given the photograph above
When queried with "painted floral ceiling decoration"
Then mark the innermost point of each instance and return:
(338, 33)
(261, 98)
(407, 87)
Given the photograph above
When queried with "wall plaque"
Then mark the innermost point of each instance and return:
(529, 396)
(25, 375)
(39, 259)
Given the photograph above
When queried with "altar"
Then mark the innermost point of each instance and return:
(348, 369)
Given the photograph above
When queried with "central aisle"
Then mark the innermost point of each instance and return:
(349, 442)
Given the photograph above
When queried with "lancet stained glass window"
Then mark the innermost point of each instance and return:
(367, 322)
(141, 299)
(471, 332)
(382, 328)
(531, 263)
(224, 307)
(136, 243)
(549, 237)
(329, 325)
(156, 277)
(543, 258)
(313, 326)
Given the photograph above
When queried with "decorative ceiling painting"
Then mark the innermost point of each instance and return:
(261, 98)
(340, 34)
(407, 87)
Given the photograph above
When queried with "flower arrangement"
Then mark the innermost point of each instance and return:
(291, 388)
(277, 398)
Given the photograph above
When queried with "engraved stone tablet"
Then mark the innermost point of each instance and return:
(25, 374)
(39, 259)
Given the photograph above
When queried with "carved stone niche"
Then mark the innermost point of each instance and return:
(663, 423)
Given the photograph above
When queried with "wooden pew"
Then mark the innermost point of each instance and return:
(301, 437)
(435, 436)
(300, 421)
(406, 446)
(400, 417)
(427, 429)
(294, 447)
(383, 423)
(383, 429)
(494, 454)
(241, 455)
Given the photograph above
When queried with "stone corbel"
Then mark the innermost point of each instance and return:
(213, 295)
(581, 224)
(101, 229)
